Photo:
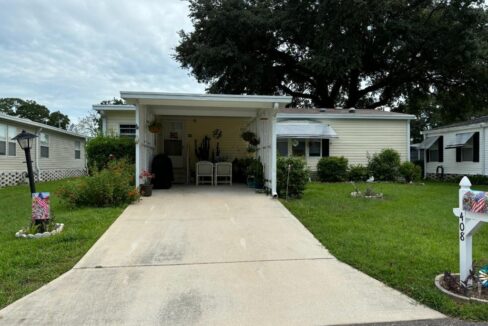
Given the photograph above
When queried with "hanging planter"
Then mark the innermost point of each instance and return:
(154, 127)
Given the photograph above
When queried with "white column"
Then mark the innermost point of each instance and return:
(274, 192)
(138, 144)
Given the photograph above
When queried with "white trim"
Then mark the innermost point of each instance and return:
(31, 123)
(453, 129)
(351, 116)
(274, 192)
(113, 107)
(218, 112)
(205, 97)
(408, 140)
(138, 147)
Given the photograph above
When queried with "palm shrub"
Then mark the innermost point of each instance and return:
(297, 179)
(385, 165)
(332, 169)
(410, 171)
(112, 186)
(358, 172)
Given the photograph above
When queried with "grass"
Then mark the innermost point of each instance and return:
(404, 240)
(27, 264)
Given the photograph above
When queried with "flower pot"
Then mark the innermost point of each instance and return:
(146, 190)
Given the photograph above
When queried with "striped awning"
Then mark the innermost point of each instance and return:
(461, 140)
(307, 129)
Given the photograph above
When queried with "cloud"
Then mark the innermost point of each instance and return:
(68, 55)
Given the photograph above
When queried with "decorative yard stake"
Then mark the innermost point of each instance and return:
(472, 212)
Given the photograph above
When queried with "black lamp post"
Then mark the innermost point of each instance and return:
(25, 140)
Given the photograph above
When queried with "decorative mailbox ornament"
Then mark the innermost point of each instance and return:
(472, 212)
(483, 276)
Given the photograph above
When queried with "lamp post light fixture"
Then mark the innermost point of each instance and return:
(25, 140)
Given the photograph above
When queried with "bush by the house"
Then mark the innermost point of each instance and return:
(478, 179)
(385, 165)
(410, 171)
(101, 149)
(332, 169)
(112, 186)
(358, 172)
(297, 178)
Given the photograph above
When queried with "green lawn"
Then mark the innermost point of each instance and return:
(404, 240)
(27, 264)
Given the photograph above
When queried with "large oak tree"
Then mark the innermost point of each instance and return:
(352, 53)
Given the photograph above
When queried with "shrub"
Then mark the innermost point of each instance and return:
(410, 171)
(332, 169)
(358, 173)
(384, 166)
(298, 177)
(112, 186)
(101, 149)
(478, 179)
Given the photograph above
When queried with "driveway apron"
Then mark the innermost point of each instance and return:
(211, 256)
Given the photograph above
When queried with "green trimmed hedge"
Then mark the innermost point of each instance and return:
(101, 149)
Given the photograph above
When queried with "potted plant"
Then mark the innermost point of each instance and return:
(154, 126)
(146, 186)
(255, 174)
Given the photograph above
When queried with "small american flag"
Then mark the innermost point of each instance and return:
(479, 202)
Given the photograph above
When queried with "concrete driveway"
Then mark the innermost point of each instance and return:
(211, 256)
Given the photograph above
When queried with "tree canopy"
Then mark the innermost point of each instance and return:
(350, 53)
(29, 109)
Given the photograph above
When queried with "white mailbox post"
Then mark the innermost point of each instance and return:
(472, 212)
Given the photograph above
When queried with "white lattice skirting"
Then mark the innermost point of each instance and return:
(12, 178)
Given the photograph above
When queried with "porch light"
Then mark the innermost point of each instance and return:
(25, 140)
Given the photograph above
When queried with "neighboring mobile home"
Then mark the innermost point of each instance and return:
(313, 133)
(56, 153)
(456, 149)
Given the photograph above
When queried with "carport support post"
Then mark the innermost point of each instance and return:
(273, 150)
(138, 145)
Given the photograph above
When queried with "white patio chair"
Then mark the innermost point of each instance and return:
(204, 169)
(223, 170)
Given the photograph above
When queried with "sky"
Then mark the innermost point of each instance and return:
(70, 54)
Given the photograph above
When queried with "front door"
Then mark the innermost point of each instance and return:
(173, 142)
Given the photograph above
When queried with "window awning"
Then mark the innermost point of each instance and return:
(428, 142)
(461, 140)
(304, 129)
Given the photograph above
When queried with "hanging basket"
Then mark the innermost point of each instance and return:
(155, 129)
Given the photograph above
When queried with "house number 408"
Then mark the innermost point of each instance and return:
(461, 227)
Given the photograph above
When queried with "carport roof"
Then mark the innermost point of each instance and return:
(208, 100)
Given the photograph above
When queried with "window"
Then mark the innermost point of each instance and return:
(436, 152)
(325, 147)
(470, 151)
(3, 139)
(12, 144)
(298, 147)
(314, 147)
(44, 144)
(77, 149)
(127, 130)
(282, 147)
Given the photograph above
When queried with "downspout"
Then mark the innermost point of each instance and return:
(38, 169)
(425, 160)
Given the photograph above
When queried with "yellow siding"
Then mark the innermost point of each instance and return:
(357, 138)
(116, 118)
(231, 144)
